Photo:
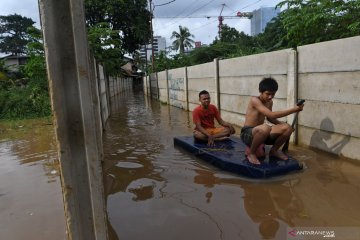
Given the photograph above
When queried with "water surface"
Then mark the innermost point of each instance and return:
(157, 191)
(31, 204)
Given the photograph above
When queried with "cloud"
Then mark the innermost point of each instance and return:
(193, 15)
(26, 8)
(167, 17)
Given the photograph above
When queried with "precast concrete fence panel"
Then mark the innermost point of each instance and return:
(329, 81)
(240, 77)
(326, 75)
(177, 84)
(201, 77)
(163, 87)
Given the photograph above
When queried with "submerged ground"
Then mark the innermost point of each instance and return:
(157, 191)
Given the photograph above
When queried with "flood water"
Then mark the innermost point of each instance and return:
(31, 205)
(157, 191)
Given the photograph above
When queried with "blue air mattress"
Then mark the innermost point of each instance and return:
(229, 155)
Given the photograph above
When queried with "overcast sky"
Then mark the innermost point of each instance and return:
(204, 29)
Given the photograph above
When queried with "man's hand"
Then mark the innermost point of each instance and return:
(232, 130)
(300, 105)
(211, 141)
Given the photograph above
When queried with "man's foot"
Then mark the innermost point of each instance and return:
(253, 159)
(278, 154)
(260, 151)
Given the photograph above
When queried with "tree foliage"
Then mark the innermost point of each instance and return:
(129, 18)
(25, 94)
(182, 39)
(312, 21)
(104, 44)
(13, 33)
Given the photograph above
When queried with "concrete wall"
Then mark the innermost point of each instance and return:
(202, 77)
(118, 85)
(240, 77)
(326, 75)
(329, 81)
(177, 85)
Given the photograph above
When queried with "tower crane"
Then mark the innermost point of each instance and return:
(238, 15)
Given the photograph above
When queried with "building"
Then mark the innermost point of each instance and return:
(13, 62)
(159, 44)
(261, 17)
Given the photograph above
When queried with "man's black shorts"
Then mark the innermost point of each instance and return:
(247, 137)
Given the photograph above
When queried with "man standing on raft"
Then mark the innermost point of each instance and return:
(203, 118)
(256, 132)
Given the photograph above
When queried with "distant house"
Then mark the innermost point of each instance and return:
(13, 61)
(129, 70)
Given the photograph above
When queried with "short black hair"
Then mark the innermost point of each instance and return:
(268, 84)
(203, 92)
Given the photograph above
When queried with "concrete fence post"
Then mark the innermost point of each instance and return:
(217, 83)
(186, 90)
(75, 105)
(292, 88)
(167, 86)
(144, 86)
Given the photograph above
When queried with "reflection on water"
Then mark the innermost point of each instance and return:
(157, 191)
(30, 193)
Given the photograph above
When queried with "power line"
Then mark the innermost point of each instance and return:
(164, 3)
(198, 17)
(201, 7)
(193, 11)
(193, 29)
(186, 8)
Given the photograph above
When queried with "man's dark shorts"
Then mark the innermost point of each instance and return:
(247, 137)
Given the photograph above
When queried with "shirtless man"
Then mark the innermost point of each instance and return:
(256, 132)
(203, 118)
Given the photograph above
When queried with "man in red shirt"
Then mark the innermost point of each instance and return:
(203, 118)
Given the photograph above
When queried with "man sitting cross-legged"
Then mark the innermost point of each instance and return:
(203, 118)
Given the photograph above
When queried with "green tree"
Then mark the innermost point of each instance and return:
(26, 95)
(273, 38)
(13, 33)
(129, 18)
(104, 44)
(182, 39)
(314, 21)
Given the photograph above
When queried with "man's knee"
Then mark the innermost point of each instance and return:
(263, 130)
(199, 135)
(287, 129)
(228, 131)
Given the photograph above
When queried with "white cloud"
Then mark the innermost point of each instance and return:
(205, 30)
(26, 8)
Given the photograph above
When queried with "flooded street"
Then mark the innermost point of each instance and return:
(157, 191)
(31, 205)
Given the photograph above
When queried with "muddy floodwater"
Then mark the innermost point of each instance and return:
(31, 205)
(157, 191)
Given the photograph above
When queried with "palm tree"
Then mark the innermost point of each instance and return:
(182, 39)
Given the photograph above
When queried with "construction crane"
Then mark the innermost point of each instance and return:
(238, 15)
(220, 17)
